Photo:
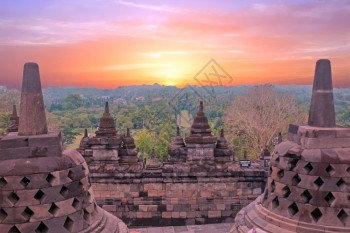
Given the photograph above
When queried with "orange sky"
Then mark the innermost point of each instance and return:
(107, 44)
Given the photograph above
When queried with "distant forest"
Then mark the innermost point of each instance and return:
(152, 112)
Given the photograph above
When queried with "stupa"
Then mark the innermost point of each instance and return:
(308, 186)
(200, 143)
(45, 188)
(12, 125)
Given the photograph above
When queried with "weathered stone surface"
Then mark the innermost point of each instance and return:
(45, 189)
(308, 186)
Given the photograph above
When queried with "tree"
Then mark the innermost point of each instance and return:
(145, 141)
(253, 119)
(72, 101)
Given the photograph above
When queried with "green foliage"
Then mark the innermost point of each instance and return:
(145, 140)
(4, 118)
(72, 101)
(69, 134)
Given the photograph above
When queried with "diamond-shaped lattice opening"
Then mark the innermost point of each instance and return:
(75, 203)
(273, 186)
(306, 196)
(340, 183)
(270, 169)
(348, 170)
(329, 198)
(308, 168)
(293, 163)
(343, 216)
(330, 170)
(83, 168)
(316, 214)
(13, 198)
(70, 175)
(53, 209)
(277, 159)
(296, 180)
(27, 213)
(68, 224)
(319, 182)
(14, 229)
(280, 174)
(86, 215)
(39, 195)
(42, 228)
(265, 195)
(80, 185)
(50, 178)
(3, 182)
(275, 203)
(293, 209)
(3, 214)
(25, 181)
(64, 191)
(285, 191)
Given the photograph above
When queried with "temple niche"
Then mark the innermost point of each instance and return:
(309, 178)
(45, 188)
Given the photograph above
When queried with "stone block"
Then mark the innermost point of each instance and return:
(214, 214)
(105, 155)
(166, 214)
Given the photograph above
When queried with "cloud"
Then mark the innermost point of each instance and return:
(134, 66)
(161, 8)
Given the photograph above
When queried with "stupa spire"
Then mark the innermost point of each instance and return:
(32, 110)
(106, 108)
(14, 111)
(322, 105)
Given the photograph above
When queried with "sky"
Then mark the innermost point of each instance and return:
(111, 43)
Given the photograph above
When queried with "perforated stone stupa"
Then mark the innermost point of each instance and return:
(45, 188)
(308, 186)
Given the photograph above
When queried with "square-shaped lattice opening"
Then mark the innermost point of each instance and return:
(316, 214)
(39, 195)
(273, 186)
(3, 182)
(319, 182)
(50, 178)
(306, 196)
(64, 191)
(343, 216)
(14, 229)
(13, 198)
(280, 174)
(27, 213)
(25, 181)
(308, 168)
(293, 209)
(68, 224)
(330, 170)
(275, 203)
(53, 209)
(340, 183)
(3, 214)
(70, 175)
(296, 180)
(329, 198)
(42, 228)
